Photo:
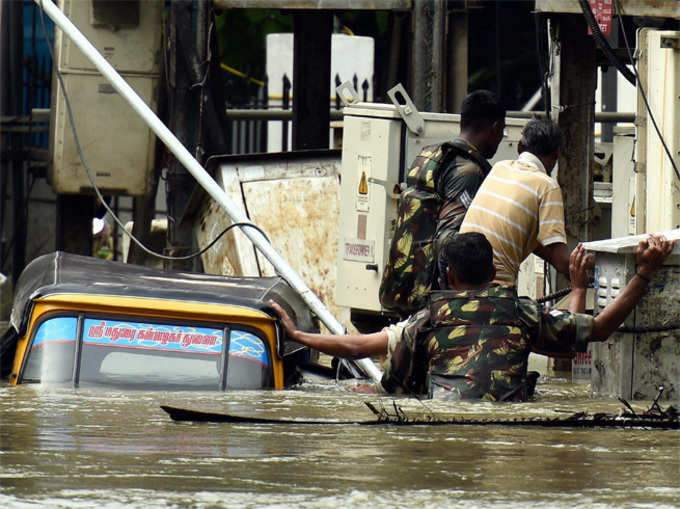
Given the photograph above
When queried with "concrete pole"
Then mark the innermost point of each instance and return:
(438, 57)
(419, 64)
(572, 88)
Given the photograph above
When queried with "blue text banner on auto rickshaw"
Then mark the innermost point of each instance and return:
(63, 329)
(178, 338)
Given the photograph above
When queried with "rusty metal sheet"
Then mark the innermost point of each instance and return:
(646, 8)
(296, 203)
(226, 256)
(300, 215)
(384, 5)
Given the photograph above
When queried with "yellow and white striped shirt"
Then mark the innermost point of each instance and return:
(517, 207)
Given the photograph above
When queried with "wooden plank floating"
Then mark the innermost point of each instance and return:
(652, 419)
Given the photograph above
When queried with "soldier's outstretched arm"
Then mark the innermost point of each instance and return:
(650, 254)
(348, 346)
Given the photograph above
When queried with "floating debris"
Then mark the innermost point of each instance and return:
(653, 418)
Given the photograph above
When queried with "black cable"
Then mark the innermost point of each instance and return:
(554, 296)
(543, 63)
(212, 243)
(603, 44)
(96, 188)
(642, 330)
(642, 90)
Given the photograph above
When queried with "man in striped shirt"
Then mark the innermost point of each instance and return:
(519, 206)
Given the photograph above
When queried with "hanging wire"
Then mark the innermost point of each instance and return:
(603, 44)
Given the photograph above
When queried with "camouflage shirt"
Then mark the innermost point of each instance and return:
(442, 181)
(475, 344)
(458, 183)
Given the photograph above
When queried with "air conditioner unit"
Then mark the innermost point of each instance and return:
(117, 145)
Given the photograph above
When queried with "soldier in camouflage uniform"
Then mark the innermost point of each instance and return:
(475, 344)
(473, 341)
(441, 181)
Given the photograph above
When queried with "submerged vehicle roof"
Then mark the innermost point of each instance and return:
(66, 273)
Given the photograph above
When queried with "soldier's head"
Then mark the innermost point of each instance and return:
(542, 138)
(469, 259)
(482, 121)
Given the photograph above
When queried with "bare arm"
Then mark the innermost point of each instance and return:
(579, 263)
(349, 346)
(556, 254)
(650, 255)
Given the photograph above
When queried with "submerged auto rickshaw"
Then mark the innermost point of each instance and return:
(83, 320)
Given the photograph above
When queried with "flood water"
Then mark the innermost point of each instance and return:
(101, 448)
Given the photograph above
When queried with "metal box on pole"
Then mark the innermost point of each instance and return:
(645, 352)
(660, 56)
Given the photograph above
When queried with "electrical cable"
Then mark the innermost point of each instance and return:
(642, 90)
(603, 44)
(643, 330)
(555, 295)
(96, 188)
(543, 63)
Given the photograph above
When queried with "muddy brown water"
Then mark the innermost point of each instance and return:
(93, 447)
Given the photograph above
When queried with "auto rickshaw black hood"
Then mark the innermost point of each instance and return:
(61, 273)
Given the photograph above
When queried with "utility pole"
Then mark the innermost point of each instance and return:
(195, 108)
(183, 118)
(12, 144)
(311, 78)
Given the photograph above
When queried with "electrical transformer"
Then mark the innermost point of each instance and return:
(117, 145)
(644, 353)
(380, 141)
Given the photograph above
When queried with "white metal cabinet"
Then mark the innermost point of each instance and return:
(634, 364)
(377, 150)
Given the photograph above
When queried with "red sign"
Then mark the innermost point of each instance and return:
(602, 10)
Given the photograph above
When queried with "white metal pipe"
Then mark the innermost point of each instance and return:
(199, 173)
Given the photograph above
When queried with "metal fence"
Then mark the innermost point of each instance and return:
(250, 119)
(249, 136)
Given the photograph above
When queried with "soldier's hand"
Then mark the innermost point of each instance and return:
(651, 253)
(286, 320)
